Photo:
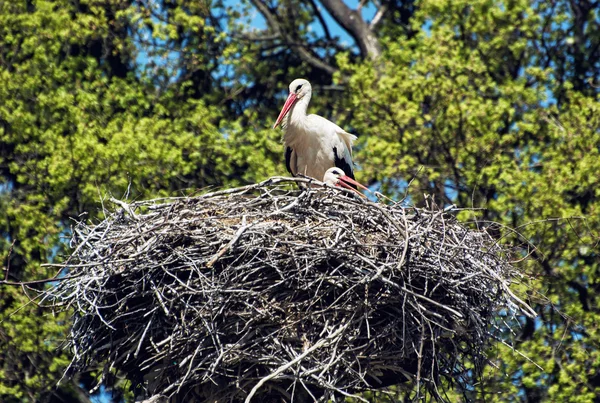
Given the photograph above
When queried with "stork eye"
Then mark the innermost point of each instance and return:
(298, 87)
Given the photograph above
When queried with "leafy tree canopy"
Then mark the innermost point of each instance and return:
(491, 104)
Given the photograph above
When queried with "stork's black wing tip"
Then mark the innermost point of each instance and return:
(341, 163)
(288, 158)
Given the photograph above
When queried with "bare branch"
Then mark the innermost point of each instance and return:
(261, 36)
(378, 16)
(33, 282)
(266, 12)
(315, 61)
(321, 19)
(352, 21)
(304, 53)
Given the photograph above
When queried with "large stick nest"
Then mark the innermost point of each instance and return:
(266, 291)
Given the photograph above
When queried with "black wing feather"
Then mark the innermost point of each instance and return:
(342, 164)
(288, 158)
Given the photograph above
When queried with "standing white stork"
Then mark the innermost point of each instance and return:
(312, 144)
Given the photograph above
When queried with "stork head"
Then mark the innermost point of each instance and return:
(299, 89)
(336, 177)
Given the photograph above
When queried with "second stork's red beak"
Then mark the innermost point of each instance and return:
(289, 102)
(346, 181)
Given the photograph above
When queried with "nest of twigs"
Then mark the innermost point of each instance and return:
(265, 291)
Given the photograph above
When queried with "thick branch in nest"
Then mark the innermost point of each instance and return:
(265, 291)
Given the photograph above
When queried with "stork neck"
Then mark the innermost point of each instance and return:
(298, 111)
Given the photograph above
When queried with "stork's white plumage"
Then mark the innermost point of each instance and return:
(312, 144)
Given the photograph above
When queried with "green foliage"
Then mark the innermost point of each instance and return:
(36, 335)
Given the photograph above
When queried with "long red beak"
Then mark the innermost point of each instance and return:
(346, 181)
(289, 102)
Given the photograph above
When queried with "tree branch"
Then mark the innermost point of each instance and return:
(378, 16)
(352, 21)
(315, 61)
(266, 12)
(302, 51)
(321, 19)
(257, 36)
